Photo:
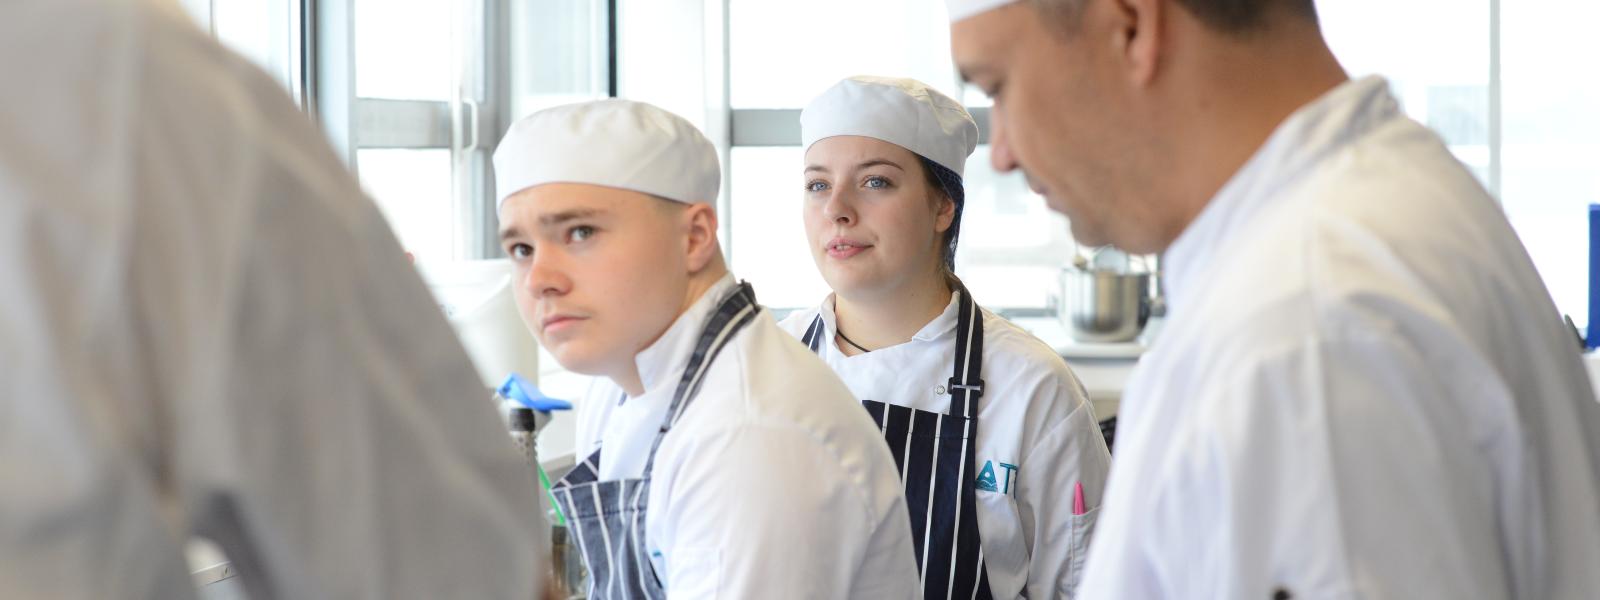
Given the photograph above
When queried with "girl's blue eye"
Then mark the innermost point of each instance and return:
(876, 182)
(816, 186)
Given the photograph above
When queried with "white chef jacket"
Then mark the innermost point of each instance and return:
(205, 329)
(1037, 437)
(1363, 390)
(773, 484)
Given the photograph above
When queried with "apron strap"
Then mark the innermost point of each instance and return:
(813, 337)
(966, 383)
(735, 311)
(587, 471)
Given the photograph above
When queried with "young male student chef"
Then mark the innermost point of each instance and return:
(1364, 389)
(723, 459)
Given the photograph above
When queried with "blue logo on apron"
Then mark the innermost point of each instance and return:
(988, 481)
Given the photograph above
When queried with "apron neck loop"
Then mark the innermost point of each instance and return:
(965, 384)
(735, 311)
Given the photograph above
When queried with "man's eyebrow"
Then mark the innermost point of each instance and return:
(565, 216)
(552, 220)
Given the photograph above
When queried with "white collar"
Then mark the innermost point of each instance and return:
(664, 360)
(1317, 129)
(940, 326)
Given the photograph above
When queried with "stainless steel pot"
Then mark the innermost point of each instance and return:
(1100, 306)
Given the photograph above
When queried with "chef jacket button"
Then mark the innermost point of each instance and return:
(938, 390)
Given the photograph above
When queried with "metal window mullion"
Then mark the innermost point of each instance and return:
(756, 127)
(300, 49)
(334, 74)
(725, 122)
(415, 124)
(460, 31)
(480, 88)
(612, 85)
(1495, 138)
(495, 117)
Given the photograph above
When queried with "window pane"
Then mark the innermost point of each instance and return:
(260, 30)
(782, 54)
(402, 49)
(972, 96)
(769, 242)
(559, 53)
(199, 10)
(413, 189)
(1442, 82)
(1011, 243)
(1550, 134)
(1551, 131)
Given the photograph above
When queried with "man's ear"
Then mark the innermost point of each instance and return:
(700, 223)
(1138, 32)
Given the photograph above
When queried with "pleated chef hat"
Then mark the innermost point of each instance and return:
(903, 112)
(961, 9)
(613, 143)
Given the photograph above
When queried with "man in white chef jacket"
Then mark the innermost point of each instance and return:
(1364, 389)
(719, 457)
(206, 329)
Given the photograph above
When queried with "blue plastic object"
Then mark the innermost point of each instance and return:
(1592, 340)
(527, 394)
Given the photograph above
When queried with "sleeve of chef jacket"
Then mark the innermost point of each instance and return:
(772, 516)
(328, 430)
(1336, 467)
(1071, 451)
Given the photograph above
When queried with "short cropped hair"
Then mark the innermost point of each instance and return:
(1239, 17)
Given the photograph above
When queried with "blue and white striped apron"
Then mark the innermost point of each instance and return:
(935, 454)
(607, 518)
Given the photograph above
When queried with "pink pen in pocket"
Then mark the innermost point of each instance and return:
(1078, 507)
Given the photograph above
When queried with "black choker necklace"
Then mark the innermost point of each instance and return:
(849, 341)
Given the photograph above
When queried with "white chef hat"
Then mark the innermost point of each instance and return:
(613, 143)
(903, 112)
(961, 9)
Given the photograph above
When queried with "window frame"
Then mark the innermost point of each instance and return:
(469, 124)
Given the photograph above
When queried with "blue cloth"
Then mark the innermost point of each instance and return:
(527, 394)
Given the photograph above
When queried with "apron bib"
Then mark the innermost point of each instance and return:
(607, 518)
(935, 453)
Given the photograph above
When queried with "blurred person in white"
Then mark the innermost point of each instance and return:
(734, 464)
(1364, 389)
(206, 329)
(1003, 460)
